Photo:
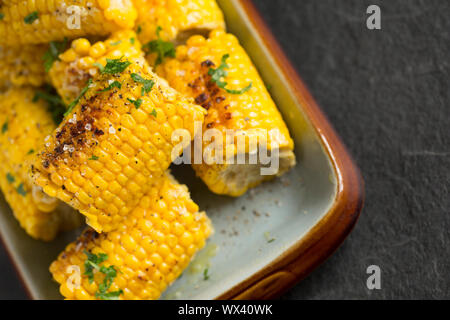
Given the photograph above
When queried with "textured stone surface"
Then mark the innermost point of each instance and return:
(387, 94)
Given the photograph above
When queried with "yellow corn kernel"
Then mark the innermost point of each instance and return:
(251, 113)
(24, 126)
(177, 19)
(80, 62)
(33, 22)
(81, 46)
(145, 255)
(96, 131)
(22, 66)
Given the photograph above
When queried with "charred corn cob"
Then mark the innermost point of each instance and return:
(22, 65)
(40, 21)
(24, 126)
(218, 73)
(178, 19)
(78, 64)
(103, 157)
(147, 252)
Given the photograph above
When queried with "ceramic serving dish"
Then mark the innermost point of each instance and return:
(272, 237)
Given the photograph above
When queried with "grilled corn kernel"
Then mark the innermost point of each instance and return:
(39, 21)
(20, 66)
(117, 133)
(146, 251)
(25, 124)
(177, 19)
(81, 62)
(250, 113)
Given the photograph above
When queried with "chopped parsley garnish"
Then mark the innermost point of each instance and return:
(29, 19)
(108, 295)
(10, 178)
(269, 239)
(114, 66)
(75, 102)
(205, 274)
(137, 103)
(5, 127)
(55, 105)
(218, 74)
(147, 85)
(20, 190)
(93, 158)
(53, 99)
(93, 263)
(139, 29)
(99, 66)
(31, 151)
(132, 40)
(115, 84)
(153, 113)
(2, 15)
(55, 48)
(116, 43)
(162, 48)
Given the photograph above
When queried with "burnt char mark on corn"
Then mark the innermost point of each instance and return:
(112, 148)
(87, 236)
(79, 132)
(207, 93)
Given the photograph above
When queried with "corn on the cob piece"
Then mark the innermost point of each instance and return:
(24, 125)
(178, 19)
(148, 251)
(40, 21)
(117, 139)
(80, 63)
(20, 66)
(249, 112)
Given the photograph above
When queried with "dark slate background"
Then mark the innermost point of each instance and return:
(387, 94)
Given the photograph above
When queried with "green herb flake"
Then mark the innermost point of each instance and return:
(5, 127)
(55, 104)
(2, 15)
(53, 99)
(218, 74)
(205, 274)
(10, 178)
(20, 190)
(269, 239)
(92, 263)
(93, 158)
(75, 102)
(162, 48)
(55, 48)
(115, 66)
(147, 85)
(99, 66)
(241, 91)
(137, 103)
(116, 43)
(114, 84)
(29, 19)
(31, 151)
(139, 29)
(132, 40)
(153, 113)
(114, 295)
